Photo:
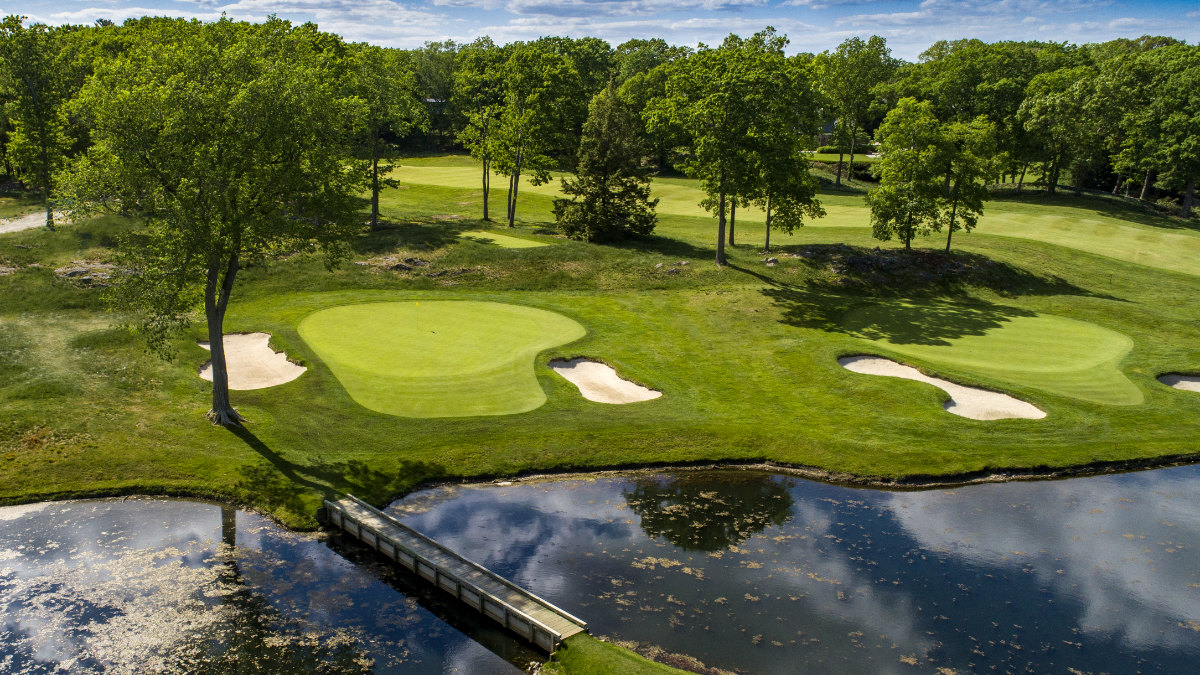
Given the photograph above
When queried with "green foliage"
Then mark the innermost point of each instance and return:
(847, 78)
(234, 143)
(384, 82)
(35, 70)
(611, 190)
(1054, 112)
(906, 203)
(533, 124)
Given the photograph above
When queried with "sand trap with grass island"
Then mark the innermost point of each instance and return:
(600, 383)
(252, 364)
(971, 402)
(1179, 381)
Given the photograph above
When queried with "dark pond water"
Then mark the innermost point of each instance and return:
(763, 573)
(147, 585)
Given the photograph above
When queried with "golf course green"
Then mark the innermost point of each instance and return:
(438, 358)
(1052, 353)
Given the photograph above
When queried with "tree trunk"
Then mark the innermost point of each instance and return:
(516, 186)
(216, 299)
(1189, 197)
(767, 245)
(1021, 182)
(850, 169)
(732, 218)
(1117, 185)
(1050, 171)
(375, 182)
(908, 233)
(721, 227)
(486, 187)
(1145, 186)
(838, 180)
(950, 230)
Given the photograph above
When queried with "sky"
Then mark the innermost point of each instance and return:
(909, 26)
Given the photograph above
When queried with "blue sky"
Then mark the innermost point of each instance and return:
(813, 25)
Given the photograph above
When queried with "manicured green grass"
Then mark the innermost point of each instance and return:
(437, 359)
(501, 240)
(585, 655)
(1088, 224)
(1052, 353)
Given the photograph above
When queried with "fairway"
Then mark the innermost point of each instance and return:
(501, 240)
(1059, 355)
(438, 358)
(1099, 227)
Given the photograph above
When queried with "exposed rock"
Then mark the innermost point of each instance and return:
(86, 273)
(658, 266)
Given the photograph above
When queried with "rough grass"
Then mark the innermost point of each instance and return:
(436, 358)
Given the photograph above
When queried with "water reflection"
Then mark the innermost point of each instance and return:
(174, 586)
(697, 513)
(776, 575)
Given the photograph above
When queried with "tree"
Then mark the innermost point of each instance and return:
(34, 70)
(1054, 111)
(1177, 104)
(479, 96)
(532, 125)
(969, 149)
(433, 65)
(847, 78)
(612, 185)
(387, 87)
(723, 101)
(910, 169)
(232, 141)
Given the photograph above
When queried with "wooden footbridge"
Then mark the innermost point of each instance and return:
(518, 610)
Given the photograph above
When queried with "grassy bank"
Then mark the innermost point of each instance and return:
(746, 355)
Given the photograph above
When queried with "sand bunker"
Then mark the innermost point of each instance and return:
(977, 404)
(1184, 382)
(252, 364)
(599, 382)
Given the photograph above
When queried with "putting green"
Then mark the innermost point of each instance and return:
(501, 240)
(438, 358)
(1053, 353)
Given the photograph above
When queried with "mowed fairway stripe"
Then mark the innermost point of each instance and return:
(1076, 227)
(1053, 353)
(438, 358)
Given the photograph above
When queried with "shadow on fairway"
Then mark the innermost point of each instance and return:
(846, 277)
(277, 484)
(1101, 205)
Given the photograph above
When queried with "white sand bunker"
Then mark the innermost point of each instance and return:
(252, 364)
(1184, 382)
(977, 404)
(599, 382)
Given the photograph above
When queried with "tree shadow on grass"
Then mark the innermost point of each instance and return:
(280, 485)
(844, 277)
(426, 233)
(1101, 205)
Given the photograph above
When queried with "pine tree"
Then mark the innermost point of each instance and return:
(611, 190)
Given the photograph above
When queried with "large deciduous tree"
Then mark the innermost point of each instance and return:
(910, 169)
(847, 77)
(386, 85)
(36, 77)
(232, 140)
(479, 97)
(611, 188)
(532, 126)
(1054, 112)
(728, 103)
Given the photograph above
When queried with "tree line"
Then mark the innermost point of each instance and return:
(235, 141)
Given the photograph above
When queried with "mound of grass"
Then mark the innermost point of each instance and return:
(439, 358)
(501, 240)
(1052, 353)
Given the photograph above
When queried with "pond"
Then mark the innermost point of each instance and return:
(158, 585)
(764, 573)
